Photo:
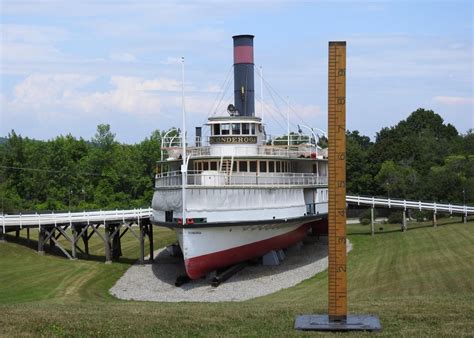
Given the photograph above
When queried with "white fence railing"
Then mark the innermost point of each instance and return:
(217, 179)
(135, 215)
(93, 217)
(406, 204)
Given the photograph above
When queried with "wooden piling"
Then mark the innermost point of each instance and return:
(41, 241)
(372, 221)
(108, 256)
(85, 240)
(404, 225)
(17, 235)
(74, 241)
(28, 236)
(435, 222)
(150, 237)
(2, 236)
(142, 243)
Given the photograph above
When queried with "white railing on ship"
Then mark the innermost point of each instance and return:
(290, 152)
(407, 204)
(215, 179)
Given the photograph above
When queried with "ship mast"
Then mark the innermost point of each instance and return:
(183, 144)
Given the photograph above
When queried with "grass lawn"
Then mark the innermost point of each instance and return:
(419, 283)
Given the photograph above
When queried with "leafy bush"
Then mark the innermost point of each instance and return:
(364, 217)
(396, 217)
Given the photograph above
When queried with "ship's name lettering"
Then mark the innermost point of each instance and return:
(233, 139)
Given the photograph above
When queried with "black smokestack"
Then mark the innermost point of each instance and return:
(244, 93)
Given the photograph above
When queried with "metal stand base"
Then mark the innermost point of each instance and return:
(352, 323)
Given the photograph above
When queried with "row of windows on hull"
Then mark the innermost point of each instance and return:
(262, 166)
(235, 129)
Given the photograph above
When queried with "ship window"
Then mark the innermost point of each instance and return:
(234, 166)
(205, 165)
(225, 129)
(243, 166)
(252, 128)
(213, 165)
(278, 166)
(217, 129)
(235, 128)
(314, 168)
(263, 166)
(284, 167)
(253, 166)
(199, 166)
(245, 129)
(271, 166)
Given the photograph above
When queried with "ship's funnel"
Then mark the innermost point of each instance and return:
(244, 93)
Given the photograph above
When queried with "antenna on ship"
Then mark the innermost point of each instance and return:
(183, 144)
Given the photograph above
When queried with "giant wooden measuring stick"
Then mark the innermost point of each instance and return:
(337, 318)
(337, 181)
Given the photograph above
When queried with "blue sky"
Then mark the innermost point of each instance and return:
(67, 66)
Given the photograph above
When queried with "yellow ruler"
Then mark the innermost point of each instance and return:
(337, 181)
(337, 318)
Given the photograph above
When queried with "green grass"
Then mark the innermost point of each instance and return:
(419, 283)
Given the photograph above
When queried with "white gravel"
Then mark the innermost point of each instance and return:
(155, 282)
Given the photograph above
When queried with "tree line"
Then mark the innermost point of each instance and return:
(419, 158)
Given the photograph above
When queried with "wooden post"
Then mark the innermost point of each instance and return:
(108, 256)
(74, 241)
(150, 237)
(85, 239)
(51, 242)
(17, 234)
(28, 236)
(404, 225)
(41, 241)
(372, 221)
(2, 236)
(464, 218)
(142, 244)
(435, 223)
(116, 246)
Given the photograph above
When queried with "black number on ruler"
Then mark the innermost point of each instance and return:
(341, 156)
(340, 184)
(341, 268)
(341, 239)
(341, 212)
(341, 72)
(340, 128)
(341, 100)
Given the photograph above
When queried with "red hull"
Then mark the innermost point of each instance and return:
(197, 267)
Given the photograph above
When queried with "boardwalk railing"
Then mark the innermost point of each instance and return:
(406, 204)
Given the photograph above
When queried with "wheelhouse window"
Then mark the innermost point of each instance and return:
(252, 128)
(263, 166)
(271, 166)
(213, 165)
(225, 129)
(245, 129)
(235, 128)
(205, 165)
(217, 129)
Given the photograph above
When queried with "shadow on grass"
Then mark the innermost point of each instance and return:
(53, 250)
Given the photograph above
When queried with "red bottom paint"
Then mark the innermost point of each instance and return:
(197, 267)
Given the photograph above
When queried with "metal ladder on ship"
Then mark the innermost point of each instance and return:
(226, 167)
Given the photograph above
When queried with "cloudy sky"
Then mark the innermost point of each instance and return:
(67, 66)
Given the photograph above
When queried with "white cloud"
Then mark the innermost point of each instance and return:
(454, 100)
(122, 57)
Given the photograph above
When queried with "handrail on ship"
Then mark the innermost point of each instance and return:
(221, 179)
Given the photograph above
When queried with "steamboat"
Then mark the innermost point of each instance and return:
(236, 194)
